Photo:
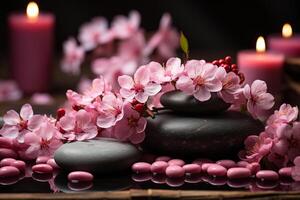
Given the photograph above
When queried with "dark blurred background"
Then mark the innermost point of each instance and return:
(210, 25)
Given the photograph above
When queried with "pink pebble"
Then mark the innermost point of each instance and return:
(80, 186)
(242, 163)
(78, 176)
(297, 161)
(285, 172)
(163, 158)
(205, 166)
(216, 170)
(9, 171)
(226, 163)
(238, 173)
(174, 171)
(201, 161)
(7, 153)
(269, 175)
(21, 165)
(159, 167)
(193, 178)
(141, 167)
(6, 162)
(52, 163)
(6, 143)
(42, 159)
(253, 167)
(42, 168)
(177, 162)
(192, 168)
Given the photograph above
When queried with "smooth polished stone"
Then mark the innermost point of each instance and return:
(226, 163)
(192, 168)
(42, 169)
(183, 103)
(78, 176)
(141, 167)
(163, 158)
(20, 164)
(99, 155)
(216, 170)
(7, 153)
(6, 162)
(177, 162)
(285, 172)
(268, 175)
(159, 167)
(238, 173)
(9, 171)
(42, 159)
(174, 171)
(190, 136)
(6, 143)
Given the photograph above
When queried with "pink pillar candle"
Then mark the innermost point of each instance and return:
(31, 45)
(290, 46)
(264, 66)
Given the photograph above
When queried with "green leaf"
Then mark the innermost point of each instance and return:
(184, 44)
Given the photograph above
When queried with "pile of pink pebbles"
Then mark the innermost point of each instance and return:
(229, 169)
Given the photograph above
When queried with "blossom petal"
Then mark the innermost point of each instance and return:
(202, 94)
(11, 117)
(185, 84)
(126, 82)
(26, 112)
(152, 89)
(142, 75)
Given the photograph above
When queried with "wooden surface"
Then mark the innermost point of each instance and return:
(158, 194)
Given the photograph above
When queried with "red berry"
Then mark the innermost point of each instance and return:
(139, 107)
(215, 62)
(234, 66)
(228, 59)
(60, 113)
(222, 61)
(227, 67)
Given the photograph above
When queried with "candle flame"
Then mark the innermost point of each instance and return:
(260, 44)
(287, 31)
(32, 10)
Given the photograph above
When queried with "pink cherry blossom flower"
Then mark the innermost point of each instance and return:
(17, 125)
(131, 127)
(257, 98)
(256, 147)
(98, 87)
(140, 87)
(42, 142)
(200, 80)
(277, 159)
(73, 57)
(111, 68)
(110, 110)
(285, 114)
(94, 33)
(171, 72)
(132, 48)
(78, 126)
(230, 85)
(9, 91)
(124, 27)
(166, 39)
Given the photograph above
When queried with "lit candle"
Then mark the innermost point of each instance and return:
(287, 44)
(262, 65)
(31, 45)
